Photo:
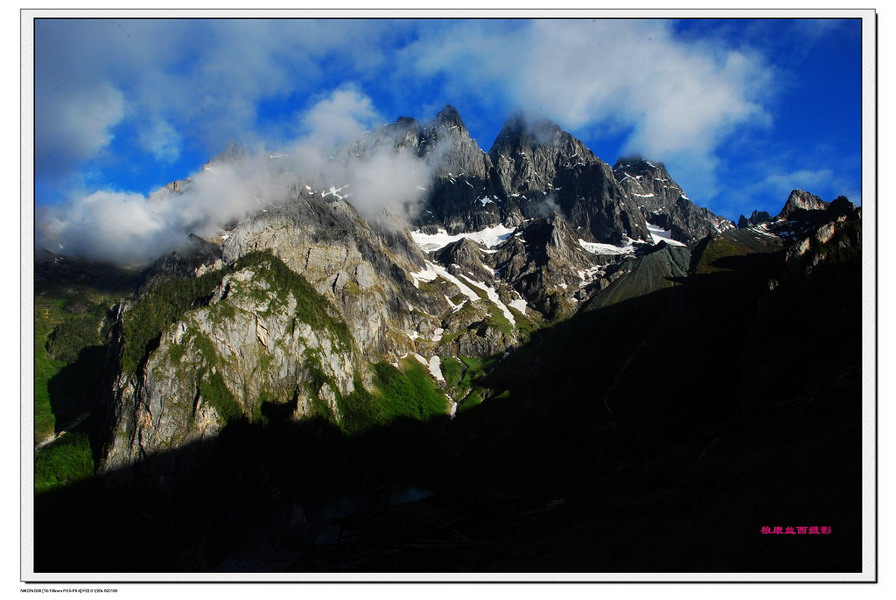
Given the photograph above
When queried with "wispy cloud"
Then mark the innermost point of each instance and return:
(804, 179)
(341, 116)
(105, 225)
(130, 228)
(179, 81)
(675, 97)
(209, 78)
(770, 188)
(162, 140)
(74, 125)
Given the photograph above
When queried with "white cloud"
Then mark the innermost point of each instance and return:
(161, 140)
(106, 224)
(341, 116)
(388, 182)
(803, 179)
(211, 77)
(74, 125)
(207, 77)
(678, 100)
(129, 228)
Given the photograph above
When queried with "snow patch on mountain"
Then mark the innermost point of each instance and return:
(588, 275)
(519, 304)
(426, 275)
(662, 235)
(598, 248)
(434, 271)
(435, 368)
(493, 296)
(488, 237)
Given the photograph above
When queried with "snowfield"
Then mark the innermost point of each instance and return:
(664, 235)
(493, 296)
(598, 248)
(488, 237)
(434, 271)
(519, 304)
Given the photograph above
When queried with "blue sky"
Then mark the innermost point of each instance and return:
(741, 110)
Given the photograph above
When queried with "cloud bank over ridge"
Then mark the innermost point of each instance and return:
(132, 228)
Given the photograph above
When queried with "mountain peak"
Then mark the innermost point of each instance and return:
(638, 163)
(798, 202)
(231, 153)
(758, 216)
(406, 121)
(515, 124)
(450, 116)
(533, 131)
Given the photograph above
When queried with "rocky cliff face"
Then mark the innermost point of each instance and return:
(533, 169)
(544, 170)
(360, 270)
(196, 253)
(664, 204)
(263, 338)
(757, 217)
(551, 267)
(799, 202)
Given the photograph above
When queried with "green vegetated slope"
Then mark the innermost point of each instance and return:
(70, 350)
(67, 460)
(65, 391)
(69, 343)
(158, 308)
(405, 391)
(463, 376)
(47, 315)
(408, 391)
(659, 269)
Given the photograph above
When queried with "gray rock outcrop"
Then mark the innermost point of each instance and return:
(799, 202)
(664, 204)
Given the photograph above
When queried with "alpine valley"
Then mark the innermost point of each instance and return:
(535, 362)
